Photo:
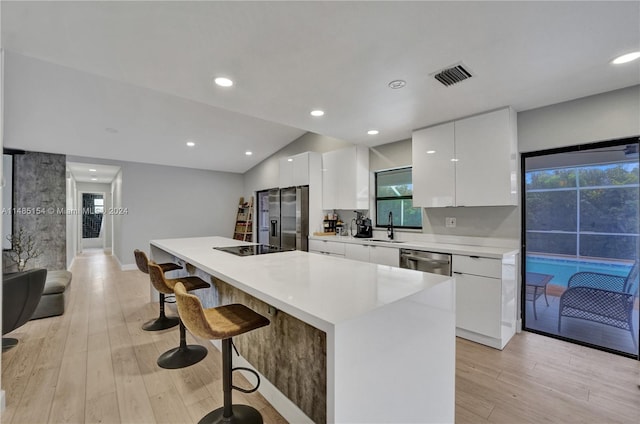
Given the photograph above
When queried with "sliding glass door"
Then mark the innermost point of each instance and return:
(580, 235)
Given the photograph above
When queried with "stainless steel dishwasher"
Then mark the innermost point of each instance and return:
(433, 262)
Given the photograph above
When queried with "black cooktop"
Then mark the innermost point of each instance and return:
(256, 249)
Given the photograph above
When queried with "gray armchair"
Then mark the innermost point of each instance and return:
(21, 293)
(603, 298)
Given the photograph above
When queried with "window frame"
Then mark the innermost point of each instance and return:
(376, 199)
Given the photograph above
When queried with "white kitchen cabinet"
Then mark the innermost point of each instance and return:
(356, 252)
(375, 254)
(486, 152)
(468, 162)
(326, 247)
(345, 179)
(295, 170)
(433, 172)
(384, 255)
(485, 299)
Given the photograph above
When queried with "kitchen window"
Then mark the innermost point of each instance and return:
(394, 193)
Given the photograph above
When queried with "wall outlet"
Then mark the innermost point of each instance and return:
(450, 222)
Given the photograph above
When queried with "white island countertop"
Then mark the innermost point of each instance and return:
(318, 289)
(390, 332)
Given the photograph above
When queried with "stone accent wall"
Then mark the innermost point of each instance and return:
(291, 354)
(39, 196)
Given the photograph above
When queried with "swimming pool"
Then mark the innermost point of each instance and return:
(562, 269)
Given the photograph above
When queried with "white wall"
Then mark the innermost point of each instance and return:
(606, 116)
(165, 202)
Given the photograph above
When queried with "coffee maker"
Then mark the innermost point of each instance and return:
(363, 226)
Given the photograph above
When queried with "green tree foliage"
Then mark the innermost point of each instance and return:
(609, 198)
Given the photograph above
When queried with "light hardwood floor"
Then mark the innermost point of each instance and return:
(95, 364)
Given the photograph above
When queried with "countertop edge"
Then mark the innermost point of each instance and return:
(494, 252)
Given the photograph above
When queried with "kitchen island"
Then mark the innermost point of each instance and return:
(389, 332)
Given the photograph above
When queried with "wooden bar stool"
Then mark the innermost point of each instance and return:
(222, 322)
(184, 355)
(162, 322)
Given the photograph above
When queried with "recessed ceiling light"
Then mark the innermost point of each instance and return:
(290, 160)
(373, 132)
(626, 58)
(317, 112)
(190, 143)
(92, 170)
(430, 152)
(454, 160)
(248, 153)
(94, 179)
(223, 82)
(395, 84)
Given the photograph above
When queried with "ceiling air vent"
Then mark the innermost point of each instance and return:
(452, 75)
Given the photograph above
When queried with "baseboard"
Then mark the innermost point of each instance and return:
(275, 397)
(125, 267)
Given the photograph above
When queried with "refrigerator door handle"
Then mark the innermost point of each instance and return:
(274, 227)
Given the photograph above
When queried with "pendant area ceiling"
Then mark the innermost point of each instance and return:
(133, 80)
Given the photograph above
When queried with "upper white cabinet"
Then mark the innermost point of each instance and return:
(345, 178)
(296, 170)
(433, 172)
(469, 162)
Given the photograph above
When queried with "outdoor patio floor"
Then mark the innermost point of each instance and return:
(582, 330)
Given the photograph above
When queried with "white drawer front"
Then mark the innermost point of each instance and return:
(477, 266)
(327, 246)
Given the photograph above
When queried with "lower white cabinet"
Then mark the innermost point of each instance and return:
(478, 304)
(356, 252)
(485, 299)
(372, 253)
(384, 255)
(326, 247)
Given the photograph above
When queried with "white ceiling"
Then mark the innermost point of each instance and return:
(86, 172)
(81, 70)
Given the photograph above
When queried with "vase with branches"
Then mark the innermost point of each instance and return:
(24, 248)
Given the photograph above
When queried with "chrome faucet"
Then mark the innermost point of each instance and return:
(390, 226)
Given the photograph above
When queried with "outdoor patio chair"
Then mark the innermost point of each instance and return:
(603, 298)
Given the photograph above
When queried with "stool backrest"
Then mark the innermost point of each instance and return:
(141, 260)
(192, 313)
(157, 278)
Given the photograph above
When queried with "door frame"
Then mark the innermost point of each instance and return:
(523, 232)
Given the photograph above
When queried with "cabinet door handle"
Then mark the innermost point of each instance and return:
(474, 257)
(456, 272)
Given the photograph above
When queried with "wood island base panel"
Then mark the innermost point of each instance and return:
(291, 354)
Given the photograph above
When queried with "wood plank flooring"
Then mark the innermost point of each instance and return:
(95, 365)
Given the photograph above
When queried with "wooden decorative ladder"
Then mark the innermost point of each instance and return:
(244, 221)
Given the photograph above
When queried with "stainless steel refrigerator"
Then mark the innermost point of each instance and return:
(289, 218)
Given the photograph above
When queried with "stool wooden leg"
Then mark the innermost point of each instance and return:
(163, 322)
